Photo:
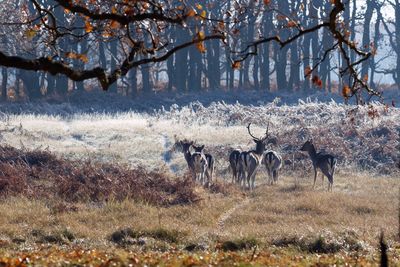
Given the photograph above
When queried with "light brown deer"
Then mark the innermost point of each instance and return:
(273, 163)
(210, 163)
(197, 162)
(250, 160)
(325, 162)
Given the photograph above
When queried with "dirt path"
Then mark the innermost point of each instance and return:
(220, 227)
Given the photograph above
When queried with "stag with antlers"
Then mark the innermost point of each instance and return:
(250, 160)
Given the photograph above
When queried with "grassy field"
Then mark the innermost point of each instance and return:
(285, 224)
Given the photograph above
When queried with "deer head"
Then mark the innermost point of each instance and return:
(260, 142)
(182, 145)
(308, 145)
(198, 148)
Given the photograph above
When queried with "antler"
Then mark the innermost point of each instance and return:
(248, 129)
(266, 132)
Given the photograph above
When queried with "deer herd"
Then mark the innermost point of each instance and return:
(244, 164)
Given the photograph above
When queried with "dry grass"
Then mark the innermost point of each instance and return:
(282, 215)
(119, 147)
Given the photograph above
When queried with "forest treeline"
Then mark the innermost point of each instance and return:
(209, 66)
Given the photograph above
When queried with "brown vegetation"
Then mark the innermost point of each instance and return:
(41, 175)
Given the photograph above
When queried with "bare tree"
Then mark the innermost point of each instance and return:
(141, 31)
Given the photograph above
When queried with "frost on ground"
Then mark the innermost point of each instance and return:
(364, 137)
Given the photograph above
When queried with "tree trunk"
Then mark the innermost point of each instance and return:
(294, 78)
(133, 82)
(30, 80)
(396, 76)
(315, 42)
(377, 36)
(195, 69)
(366, 39)
(114, 55)
(4, 74)
(146, 82)
(281, 54)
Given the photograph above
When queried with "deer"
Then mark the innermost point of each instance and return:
(197, 162)
(273, 163)
(210, 162)
(250, 160)
(325, 162)
(234, 164)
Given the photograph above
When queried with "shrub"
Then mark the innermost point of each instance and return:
(40, 174)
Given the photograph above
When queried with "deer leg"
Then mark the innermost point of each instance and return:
(330, 180)
(275, 176)
(207, 176)
(211, 173)
(272, 177)
(248, 180)
(242, 179)
(315, 177)
(253, 180)
(194, 176)
(322, 178)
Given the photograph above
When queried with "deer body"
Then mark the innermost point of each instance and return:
(325, 162)
(250, 160)
(210, 162)
(234, 164)
(273, 163)
(197, 162)
(248, 165)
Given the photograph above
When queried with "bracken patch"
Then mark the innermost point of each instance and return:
(40, 174)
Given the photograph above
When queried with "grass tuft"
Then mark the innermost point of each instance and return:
(239, 244)
(129, 236)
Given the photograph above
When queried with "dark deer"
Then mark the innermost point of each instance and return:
(250, 160)
(325, 162)
(197, 162)
(210, 163)
(234, 164)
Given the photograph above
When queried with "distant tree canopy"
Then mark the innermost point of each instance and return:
(106, 40)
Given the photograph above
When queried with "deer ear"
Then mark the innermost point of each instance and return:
(202, 147)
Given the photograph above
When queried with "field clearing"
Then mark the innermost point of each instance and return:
(363, 137)
(288, 222)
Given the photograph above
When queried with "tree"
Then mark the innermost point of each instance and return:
(394, 38)
(141, 30)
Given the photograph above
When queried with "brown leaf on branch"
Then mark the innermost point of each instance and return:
(88, 26)
(191, 13)
(291, 24)
(201, 47)
(236, 65)
(114, 25)
(346, 91)
(307, 72)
